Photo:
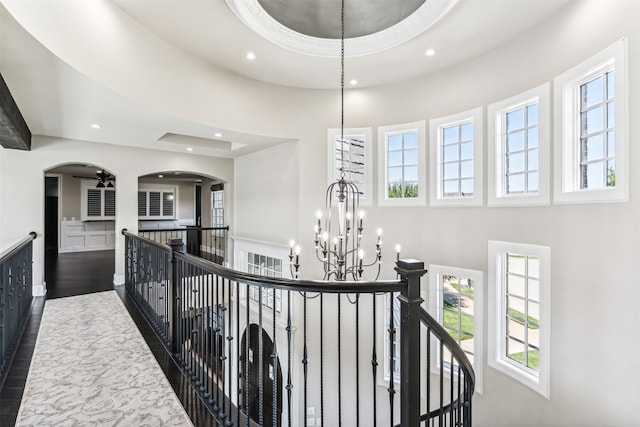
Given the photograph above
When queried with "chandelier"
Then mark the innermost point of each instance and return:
(338, 238)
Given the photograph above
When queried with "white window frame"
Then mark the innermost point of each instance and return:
(567, 130)
(539, 382)
(436, 272)
(161, 188)
(87, 185)
(383, 131)
(436, 126)
(497, 185)
(366, 199)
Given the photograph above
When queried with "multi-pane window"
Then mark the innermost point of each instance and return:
(518, 158)
(349, 159)
(349, 155)
(522, 310)
(456, 310)
(592, 129)
(598, 132)
(519, 276)
(521, 149)
(402, 165)
(217, 206)
(265, 266)
(457, 160)
(456, 300)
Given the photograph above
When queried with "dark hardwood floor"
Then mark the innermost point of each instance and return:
(80, 273)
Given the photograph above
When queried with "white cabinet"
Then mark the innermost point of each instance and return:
(87, 236)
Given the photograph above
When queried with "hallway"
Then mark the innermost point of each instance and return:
(79, 274)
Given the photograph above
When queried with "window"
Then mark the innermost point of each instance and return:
(97, 203)
(265, 266)
(217, 205)
(157, 202)
(591, 106)
(519, 153)
(456, 301)
(402, 162)
(456, 159)
(519, 327)
(351, 156)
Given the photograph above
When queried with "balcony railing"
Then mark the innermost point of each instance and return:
(15, 297)
(299, 352)
(204, 242)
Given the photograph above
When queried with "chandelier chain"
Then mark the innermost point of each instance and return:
(342, 81)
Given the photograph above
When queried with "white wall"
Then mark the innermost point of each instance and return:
(595, 249)
(22, 186)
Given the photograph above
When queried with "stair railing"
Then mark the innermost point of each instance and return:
(271, 351)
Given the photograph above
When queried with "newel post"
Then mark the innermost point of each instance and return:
(410, 271)
(176, 245)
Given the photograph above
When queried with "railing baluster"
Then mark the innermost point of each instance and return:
(289, 351)
(247, 357)
(176, 292)
(339, 361)
(274, 362)
(260, 363)
(357, 360)
(374, 360)
(322, 359)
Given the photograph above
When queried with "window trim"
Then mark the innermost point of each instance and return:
(420, 128)
(496, 185)
(567, 118)
(161, 188)
(497, 325)
(85, 186)
(435, 272)
(367, 198)
(435, 151)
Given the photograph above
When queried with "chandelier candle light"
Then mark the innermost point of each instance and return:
(339, 248)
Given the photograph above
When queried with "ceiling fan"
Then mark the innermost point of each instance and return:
(105, 179)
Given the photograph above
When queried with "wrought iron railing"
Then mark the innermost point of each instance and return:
(16, 297)
(302, 352)
(204, 242)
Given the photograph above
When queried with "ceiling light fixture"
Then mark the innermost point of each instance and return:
(217, 135)
(430, 52)
(160, 176)
(189, 149)
(251, 56)
(338, 238)
(96, 126)
(353, 82)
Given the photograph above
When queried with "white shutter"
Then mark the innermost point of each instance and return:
(94, 202)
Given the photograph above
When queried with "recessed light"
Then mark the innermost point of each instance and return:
(251, 56)
(353, 82)
(189, 149)
(160, 176)
(217, 135)
(430, 52)
(96, 126)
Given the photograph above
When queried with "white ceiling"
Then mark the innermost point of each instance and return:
(56, 100)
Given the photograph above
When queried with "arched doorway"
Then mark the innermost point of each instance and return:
(270, 374)
(79, 218)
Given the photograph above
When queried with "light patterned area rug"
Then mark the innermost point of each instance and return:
(92, 367)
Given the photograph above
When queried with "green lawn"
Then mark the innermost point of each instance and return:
(519, 317)
(534, 358)
(451, 325)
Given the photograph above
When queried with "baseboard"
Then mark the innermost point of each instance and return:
(118, 279)
(39, 290)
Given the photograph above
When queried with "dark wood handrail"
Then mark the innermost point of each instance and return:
(188, 227)
(15, 248)
(293, 284)
(160, 246)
